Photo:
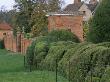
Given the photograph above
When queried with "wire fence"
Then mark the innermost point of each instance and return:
(57, 75)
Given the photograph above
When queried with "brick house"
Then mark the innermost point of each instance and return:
(72, 17)
(88, 9)
(5, 29)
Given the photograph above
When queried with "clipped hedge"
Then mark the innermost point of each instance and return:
(105, 44)
(106, 75)
(75, 61)
(41, 50)
(55, 54)
(65, 60)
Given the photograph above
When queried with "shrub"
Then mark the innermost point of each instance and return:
(62, 35)
(63, 64)
(41, 50)
(2, 44)
(55, 53)
(105, 44)
(106, 75)
(30, 54)
(94, 79)
(99, 27)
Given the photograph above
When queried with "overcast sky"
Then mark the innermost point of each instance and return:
(8, 4)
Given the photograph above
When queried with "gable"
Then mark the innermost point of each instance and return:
(73, 7)
(84, 7)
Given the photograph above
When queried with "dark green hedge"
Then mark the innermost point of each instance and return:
(62, 35)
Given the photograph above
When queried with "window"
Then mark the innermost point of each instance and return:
(4, 33)
(84, 12)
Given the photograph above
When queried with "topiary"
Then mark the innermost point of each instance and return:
(106, 75)
(105, 44)
(41, 50)
(55, 54)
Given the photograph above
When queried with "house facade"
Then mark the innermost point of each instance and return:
(88, 9)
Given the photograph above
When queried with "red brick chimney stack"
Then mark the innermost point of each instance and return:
(93, 2)
(77, 1)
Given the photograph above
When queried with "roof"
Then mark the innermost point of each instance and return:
(92, 6)
(73, 7)
(76, 7)
(5, 26)
(65, 13)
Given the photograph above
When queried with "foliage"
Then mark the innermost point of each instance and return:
(62, 35)
(75, 61)
(39, 19)
(105, 44)
(30, 54)
(6, 16)
(99, 30)
(106, 75)
(86, 30)
(41, 50)
(55, 53)
(28, 35)
(32, 15)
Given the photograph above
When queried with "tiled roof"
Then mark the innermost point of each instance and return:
(73, 7)
(92, 6)
(5, 26)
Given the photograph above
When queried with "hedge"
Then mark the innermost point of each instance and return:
(105, 44)
(106, 75)
(62, 35)
(41, 50)
(75, 61)
(55, 54)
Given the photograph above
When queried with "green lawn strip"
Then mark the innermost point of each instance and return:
(36, 76)
(12, 70)
(11, 63)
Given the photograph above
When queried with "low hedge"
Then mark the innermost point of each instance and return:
(75, 61)
(105, 44)
(106, 75)
(41, 50)
(55, 54)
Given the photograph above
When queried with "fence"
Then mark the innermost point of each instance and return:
(16, 44)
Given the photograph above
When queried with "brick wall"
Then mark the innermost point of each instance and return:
(73, 23)
(16, 44)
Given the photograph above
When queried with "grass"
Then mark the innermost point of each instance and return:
(12, 70)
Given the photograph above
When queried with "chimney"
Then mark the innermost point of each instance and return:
(77, 1)
(93, 2)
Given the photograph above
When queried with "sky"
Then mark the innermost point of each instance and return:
(8, 4)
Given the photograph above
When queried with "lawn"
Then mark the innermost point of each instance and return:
(12, 70)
